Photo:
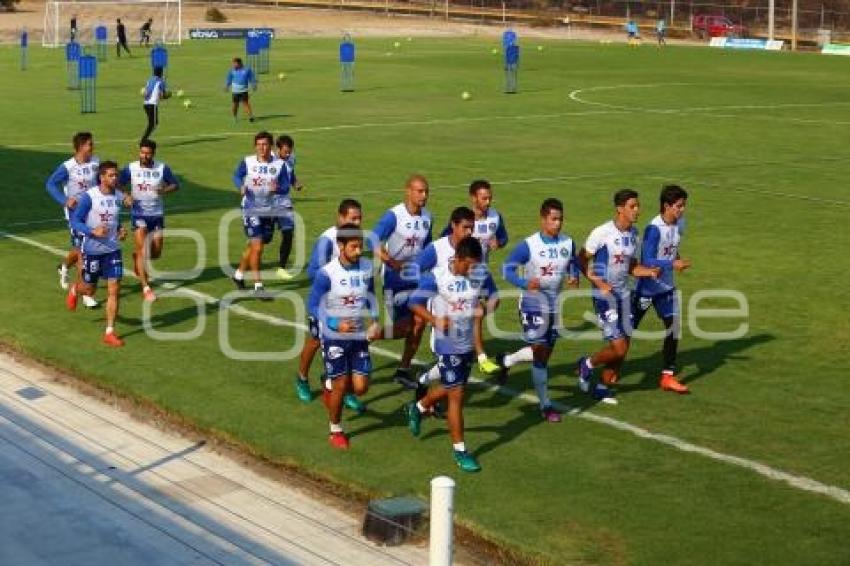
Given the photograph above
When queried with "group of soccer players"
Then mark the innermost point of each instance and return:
(444, 283)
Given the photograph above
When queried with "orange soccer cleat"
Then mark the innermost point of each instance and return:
(670, 383)
(110, 339)
(71, 300)
(338, 440)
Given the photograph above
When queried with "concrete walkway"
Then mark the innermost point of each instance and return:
(83, 483)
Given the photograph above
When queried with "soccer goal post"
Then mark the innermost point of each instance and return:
(167, 16)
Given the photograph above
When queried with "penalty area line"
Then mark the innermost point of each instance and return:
(802, 483)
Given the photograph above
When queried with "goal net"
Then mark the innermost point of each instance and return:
(166, 14)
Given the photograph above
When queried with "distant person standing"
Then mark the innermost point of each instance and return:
(121, 35)
(239, 79)
(73, 27)
(155, 90)
(660, 32)
(145, 37)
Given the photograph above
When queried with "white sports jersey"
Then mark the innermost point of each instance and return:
(485, 230)
(411, 232)
(145, 184)
(613, 251)
(81, 177)
(330, 234)
(342, 293)
(660, 247)
(549, 261)
(261, 181)
(454, 296)
(104, 212)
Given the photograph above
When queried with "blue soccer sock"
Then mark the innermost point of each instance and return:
(540, 378)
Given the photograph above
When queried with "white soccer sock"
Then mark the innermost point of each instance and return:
(587, 363)
(336, 428)
(109, 330)
(523, 355)
(329, 384)
(421, 408)
(540, 378)
(459, 446)
(238, 275)
(146, 288)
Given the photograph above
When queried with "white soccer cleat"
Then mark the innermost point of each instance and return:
(63, 276)
(89, 302)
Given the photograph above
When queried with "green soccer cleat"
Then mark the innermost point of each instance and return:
(414, 418)
(352, 402)
(302, 389)
(466, 461)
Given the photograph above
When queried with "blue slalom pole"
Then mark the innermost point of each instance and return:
(100, 39)
(346, 61)
(511, 69)
(25, 39)
(72, 57)
(88, 84)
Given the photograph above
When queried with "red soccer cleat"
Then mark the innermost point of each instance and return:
(149, 295)
(339, 440)
(110, 339)
(670, 383)
(71, 300)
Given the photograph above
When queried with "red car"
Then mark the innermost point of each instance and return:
(707, 25)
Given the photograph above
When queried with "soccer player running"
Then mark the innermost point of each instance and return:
(121, 38)
(259, 178)
(489, 227)
(239, 79)
(607, 260)
(453, 300)
(155, 89)
(66, 184)
(660, 248)
(149, 182)
(403, 231)
(439, 254)
(343, 301)
(325, 250)
(547, 260)
(96, 218)
(286, 219)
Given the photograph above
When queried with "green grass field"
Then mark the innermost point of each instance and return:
(759, 140)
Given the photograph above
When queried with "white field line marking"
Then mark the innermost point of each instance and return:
(576, 96)
(337, 127)
(800, 482)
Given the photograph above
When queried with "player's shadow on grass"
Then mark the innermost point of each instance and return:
(163, 320)
(706, 359)
(195, 141)
(264, 117)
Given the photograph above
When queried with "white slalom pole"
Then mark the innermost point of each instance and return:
(442, 512)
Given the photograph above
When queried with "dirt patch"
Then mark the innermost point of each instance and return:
(304, 22)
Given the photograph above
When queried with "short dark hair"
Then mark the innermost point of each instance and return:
(462, 213)
(149, 143)
(80, 138)
(238, 60)
(468, 248)
(670, 194)
(264, 135)
(157, 72)
(622, 196)
(549, 205)
(106, 166)
(477, 185)
(285, 140)
(347, 204)
(347, 233)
